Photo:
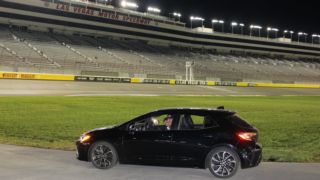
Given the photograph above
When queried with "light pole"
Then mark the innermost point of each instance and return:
(305, 37)
(302, 34)
(314, 36)
(233, 24)
(274, 30)
(268, 30)
(284, 33)
(291, 34)
(222, 24)
(299, 34)
(192, 18)
(241, 26)
(214, 21)
(252, 27)
(177, 15)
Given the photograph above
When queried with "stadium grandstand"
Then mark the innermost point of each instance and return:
(44, 45)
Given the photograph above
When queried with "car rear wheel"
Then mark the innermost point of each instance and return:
(223, 162)
(103, 155)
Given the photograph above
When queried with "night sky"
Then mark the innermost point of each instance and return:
(293, 15)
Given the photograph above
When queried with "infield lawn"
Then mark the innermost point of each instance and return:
(289, 126)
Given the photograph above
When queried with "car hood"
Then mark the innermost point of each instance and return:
(103, 128)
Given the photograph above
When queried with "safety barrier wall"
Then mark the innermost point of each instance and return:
(309, 86)
(60, 77)
(35, 76)
(183, 82)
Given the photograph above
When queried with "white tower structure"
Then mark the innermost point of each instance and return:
(189, 70)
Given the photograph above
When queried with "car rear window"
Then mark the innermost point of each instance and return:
(236, 120)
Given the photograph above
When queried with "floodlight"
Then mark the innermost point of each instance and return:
(126, 4)
(154, 10)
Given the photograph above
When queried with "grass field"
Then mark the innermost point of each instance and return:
(289, 126)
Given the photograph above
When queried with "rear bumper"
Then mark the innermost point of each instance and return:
(251, 157)
(82, 151)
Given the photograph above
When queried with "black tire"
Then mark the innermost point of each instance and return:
(223, 162)
(103, 155)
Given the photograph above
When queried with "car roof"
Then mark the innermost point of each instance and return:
(194, 109)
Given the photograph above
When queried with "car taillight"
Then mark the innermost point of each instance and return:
(247, 136)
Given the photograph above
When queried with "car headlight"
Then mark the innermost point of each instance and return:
(85, 138)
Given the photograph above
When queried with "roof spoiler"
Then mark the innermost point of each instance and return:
(220, 107)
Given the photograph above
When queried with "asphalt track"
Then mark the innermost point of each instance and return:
(25, 163)
(62, 88)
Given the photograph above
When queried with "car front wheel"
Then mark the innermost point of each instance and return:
(103, 155)
(223, 162)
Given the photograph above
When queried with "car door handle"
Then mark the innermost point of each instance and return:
(182, 142)
(166, 136)
(163, 141)
(208, 136)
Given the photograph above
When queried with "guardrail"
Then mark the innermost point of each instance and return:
(61, 77)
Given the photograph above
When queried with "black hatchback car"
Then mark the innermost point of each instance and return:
(216, 139)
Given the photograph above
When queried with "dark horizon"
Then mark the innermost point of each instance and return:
(292, 15)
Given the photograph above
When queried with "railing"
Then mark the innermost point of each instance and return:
(14, 54)
(40, 53)
(89, 59)
(113, 55)
(144, 57)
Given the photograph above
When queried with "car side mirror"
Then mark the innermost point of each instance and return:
(131, 129)
(131, 132)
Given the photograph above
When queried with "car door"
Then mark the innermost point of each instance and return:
(148, 146)
(191, 144)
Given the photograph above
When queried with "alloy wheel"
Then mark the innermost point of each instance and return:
(223, 163)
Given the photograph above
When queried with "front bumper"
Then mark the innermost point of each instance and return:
(82, 151)
(251, 157)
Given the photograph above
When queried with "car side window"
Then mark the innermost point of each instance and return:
(196, 122)
(163, 122)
